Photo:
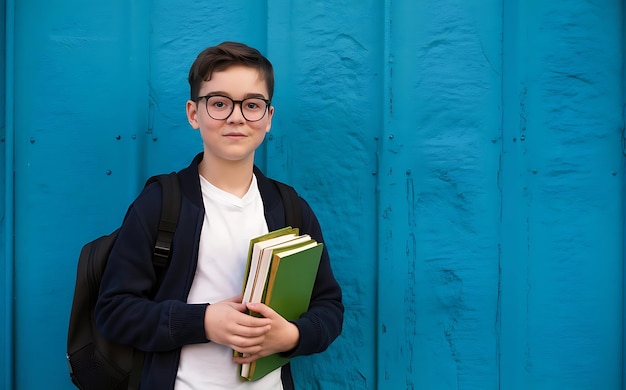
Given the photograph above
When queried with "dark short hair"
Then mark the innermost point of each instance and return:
(226, 54)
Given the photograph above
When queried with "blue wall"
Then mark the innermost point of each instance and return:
(6, 257)
(465, 159)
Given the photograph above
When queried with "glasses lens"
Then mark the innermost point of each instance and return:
(219, 107)
(253, 109)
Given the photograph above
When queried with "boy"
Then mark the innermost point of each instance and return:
(190, 318)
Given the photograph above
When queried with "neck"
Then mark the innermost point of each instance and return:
(231, 176)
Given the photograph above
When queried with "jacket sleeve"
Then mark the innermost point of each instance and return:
(125, 311)
(322, 323)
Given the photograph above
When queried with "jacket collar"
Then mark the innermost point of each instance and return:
(190, 186)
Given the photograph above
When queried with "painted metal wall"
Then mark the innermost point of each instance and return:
(5, 287)
(465, 160)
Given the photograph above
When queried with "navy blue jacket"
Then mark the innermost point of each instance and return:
(132, 310)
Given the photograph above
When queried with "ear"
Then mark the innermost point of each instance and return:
(192, 114)
(270, 114)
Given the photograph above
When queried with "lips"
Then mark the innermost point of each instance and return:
(235, 135)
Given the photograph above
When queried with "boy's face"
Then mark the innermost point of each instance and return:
(234, 138)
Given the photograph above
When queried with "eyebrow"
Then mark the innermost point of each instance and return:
(246, 96)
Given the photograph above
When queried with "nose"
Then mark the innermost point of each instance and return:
(236, 116)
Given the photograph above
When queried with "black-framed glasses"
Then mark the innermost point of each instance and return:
(221, 107)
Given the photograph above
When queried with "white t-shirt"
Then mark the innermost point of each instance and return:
(229, 224)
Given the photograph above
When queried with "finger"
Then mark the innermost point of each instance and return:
(247, 345)
(262, 309)
(246, 349)
(251, 332)
(245, 359)
(252, 321)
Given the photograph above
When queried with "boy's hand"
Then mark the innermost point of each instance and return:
(226, 323)
(281, 336)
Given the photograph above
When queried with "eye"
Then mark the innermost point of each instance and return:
(219, 102)
(254, 104)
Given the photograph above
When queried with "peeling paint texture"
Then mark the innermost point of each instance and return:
(465, 160)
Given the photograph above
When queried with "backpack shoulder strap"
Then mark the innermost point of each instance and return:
(291, 201)
(170, 211)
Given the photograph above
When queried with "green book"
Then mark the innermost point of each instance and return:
(288, 289)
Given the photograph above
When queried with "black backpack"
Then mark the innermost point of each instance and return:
(95, 363)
